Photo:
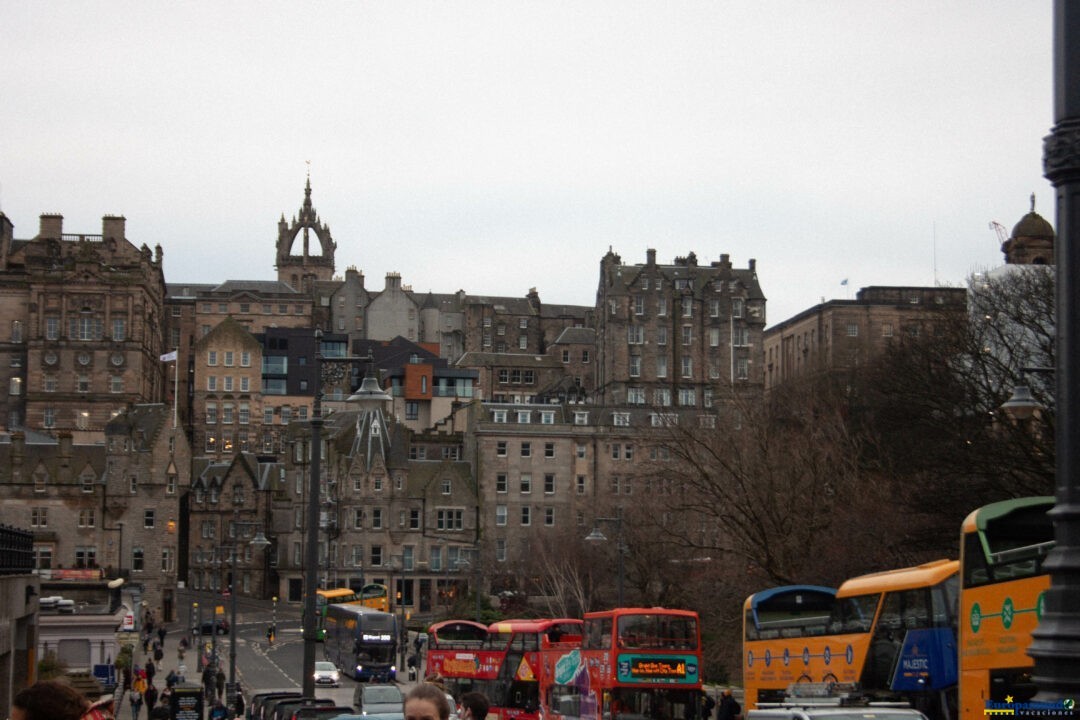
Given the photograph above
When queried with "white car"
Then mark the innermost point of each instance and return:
(326, 673)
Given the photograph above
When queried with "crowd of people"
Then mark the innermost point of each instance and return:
(58, 700)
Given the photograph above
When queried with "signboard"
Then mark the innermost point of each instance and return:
(186, 703)
(678, 669)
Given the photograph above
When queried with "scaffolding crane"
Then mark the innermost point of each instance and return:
(1002, 233)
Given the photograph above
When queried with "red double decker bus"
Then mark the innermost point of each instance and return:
(458, 654)
(633, 664)
(530, 650)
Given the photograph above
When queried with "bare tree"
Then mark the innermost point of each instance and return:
(777, 486)
(929, 409)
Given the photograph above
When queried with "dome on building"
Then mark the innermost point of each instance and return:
(1033, 225)
(1031, 242)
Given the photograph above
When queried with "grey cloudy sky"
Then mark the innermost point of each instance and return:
(498, 146)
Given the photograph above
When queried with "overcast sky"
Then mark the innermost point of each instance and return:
(499, 146)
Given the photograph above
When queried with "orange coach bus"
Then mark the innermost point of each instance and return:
(633, 664)
(775, 622)
(1002, 549)
(892, 632)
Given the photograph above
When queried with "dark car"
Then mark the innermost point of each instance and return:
(222, 627)
(372, 698)
(259, 701)
(321, 712)
(286, 709)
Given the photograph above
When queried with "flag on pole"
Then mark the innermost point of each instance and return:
(169, 357)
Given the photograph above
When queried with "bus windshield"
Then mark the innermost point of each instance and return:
(854, 614)
(672, 632)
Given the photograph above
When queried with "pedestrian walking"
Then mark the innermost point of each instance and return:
(161, 632)
(151, 671)
(150, 697)
(707, 705)
(136, 704)
(238, 706)
(220, 681)
(729, 706)
(208, 683)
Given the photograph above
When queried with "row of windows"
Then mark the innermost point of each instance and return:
(517, 377)
(523, 324)
(227, 358)
(245, 308)
(228, 384)
(737, 336)
(526, 514)
(524, 417)
(83, 327)
(87, 518)
(526, 449)
(686, 366)
(442, 452)
(241, 414)
(523, 342)
(86, 557)
(439, 558)
(51, 384)
(661, 397)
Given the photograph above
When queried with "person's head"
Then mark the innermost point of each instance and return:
(727, 692)
(49, 700)
(475, 704)
(426, 702)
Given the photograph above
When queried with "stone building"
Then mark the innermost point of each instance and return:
(396, 508)
(82, 326)
(844, 334)
(681, 335)
(229, 506)
(111, 506)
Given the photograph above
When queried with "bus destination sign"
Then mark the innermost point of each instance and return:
(657, 669)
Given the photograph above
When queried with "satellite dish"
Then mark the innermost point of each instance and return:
(113, 584)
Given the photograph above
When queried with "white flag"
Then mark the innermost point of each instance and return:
(169, 357)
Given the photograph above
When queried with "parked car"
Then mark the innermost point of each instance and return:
(286, 709)
(377, 698)
(326, 673)
(321, 712)
(208, 627)
(258, 701)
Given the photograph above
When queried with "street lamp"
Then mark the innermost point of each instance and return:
(620, 548)
(258, 542)
(369, 397)
(1054, 643)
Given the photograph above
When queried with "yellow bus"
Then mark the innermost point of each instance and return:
(374, 595)
(773, 621)
(1002, 548)
(325, 597)
(893, 633)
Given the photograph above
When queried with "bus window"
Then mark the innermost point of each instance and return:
(853, 614)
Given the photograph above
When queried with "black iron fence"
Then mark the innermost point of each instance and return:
(16, 551)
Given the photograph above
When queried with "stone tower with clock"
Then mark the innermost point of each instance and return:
(80, 328)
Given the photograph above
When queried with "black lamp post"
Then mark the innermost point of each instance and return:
(369, 397)
(597, 536)
(1056, 641)
(258, 542)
